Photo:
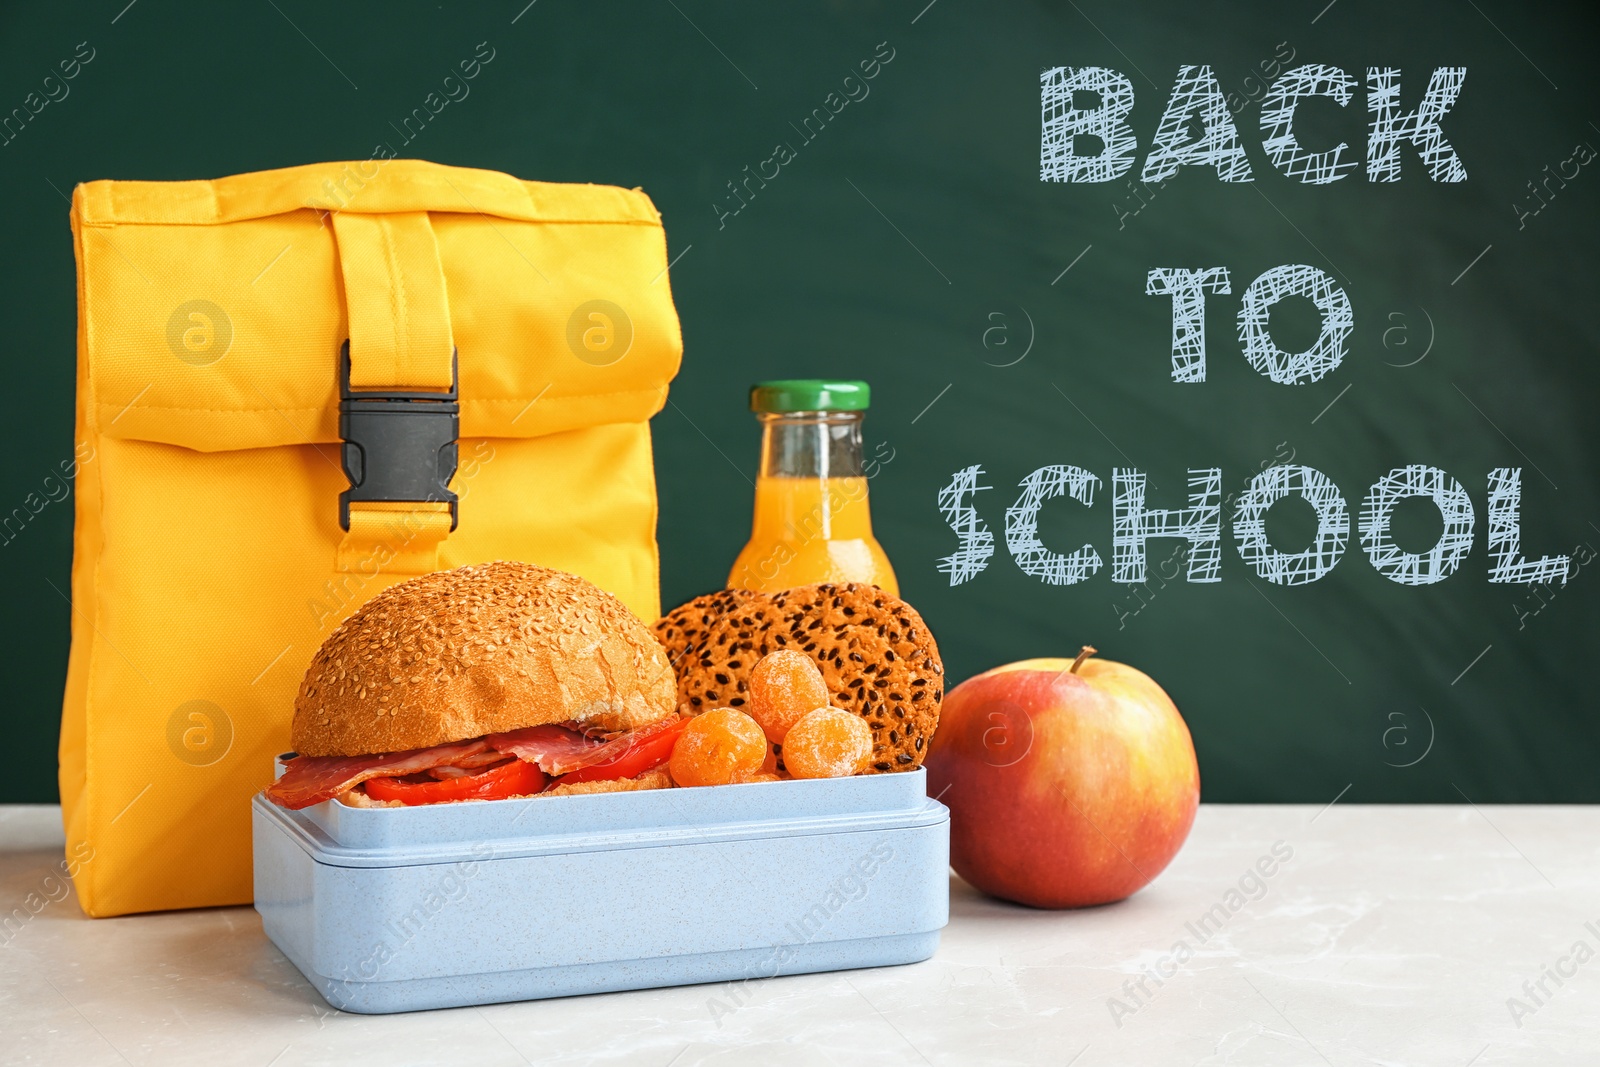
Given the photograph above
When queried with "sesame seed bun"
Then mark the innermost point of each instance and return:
(454, 655)
(654, 778)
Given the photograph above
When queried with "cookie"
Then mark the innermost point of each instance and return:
(688, 625)
(875, 653)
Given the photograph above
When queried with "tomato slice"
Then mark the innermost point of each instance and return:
(512, 779)
(647, 747)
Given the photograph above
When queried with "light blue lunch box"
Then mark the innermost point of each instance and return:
(401, 909)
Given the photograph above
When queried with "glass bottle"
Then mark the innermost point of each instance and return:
(811, 522)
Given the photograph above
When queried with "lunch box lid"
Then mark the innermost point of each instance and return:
(342, 836)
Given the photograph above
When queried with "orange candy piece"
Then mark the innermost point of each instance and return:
(828, 743)
(718, 747)
(784, 686)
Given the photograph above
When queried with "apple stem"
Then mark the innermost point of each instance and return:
(1088, 650)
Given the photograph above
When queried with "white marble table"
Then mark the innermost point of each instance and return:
(1393, 935)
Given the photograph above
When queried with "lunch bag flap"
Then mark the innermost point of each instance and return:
(555, 296)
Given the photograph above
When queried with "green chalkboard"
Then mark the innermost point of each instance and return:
(908, 239)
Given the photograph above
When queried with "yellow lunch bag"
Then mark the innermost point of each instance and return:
(296, 388)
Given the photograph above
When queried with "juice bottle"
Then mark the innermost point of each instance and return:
(812, 522)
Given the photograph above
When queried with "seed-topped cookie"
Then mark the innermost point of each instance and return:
(876, 655)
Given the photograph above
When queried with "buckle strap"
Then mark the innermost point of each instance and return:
(393, 539)
(399, 446)
(399, 399)
(396, 301)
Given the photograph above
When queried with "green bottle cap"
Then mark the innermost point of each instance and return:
(809, 394)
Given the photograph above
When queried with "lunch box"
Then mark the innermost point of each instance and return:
(401, 909)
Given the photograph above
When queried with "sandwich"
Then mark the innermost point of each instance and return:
(482, 683)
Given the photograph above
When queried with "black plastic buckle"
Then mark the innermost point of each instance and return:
(398, 447)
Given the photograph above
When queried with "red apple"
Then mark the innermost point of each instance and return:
(1069, 782)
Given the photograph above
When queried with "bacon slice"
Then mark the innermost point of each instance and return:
(560, 750)
(556, 749)
(309, 780)
(476, 762)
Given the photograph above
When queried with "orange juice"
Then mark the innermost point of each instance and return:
(812, 522)
(811, 530)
